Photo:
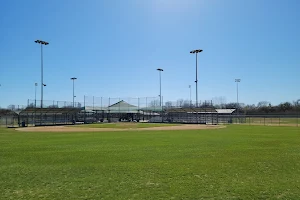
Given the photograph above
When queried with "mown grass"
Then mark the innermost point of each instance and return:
(238, 162)
(124, 125)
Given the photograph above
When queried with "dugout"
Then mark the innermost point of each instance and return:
(48, 116)
(192, 115)
(8, 118)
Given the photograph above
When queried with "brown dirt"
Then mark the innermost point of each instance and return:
(87, 129)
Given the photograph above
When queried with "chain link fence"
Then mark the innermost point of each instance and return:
(147, 109)
(273, 120)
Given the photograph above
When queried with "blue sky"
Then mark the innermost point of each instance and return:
(114, 47)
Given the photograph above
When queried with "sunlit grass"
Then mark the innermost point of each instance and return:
(238, 162)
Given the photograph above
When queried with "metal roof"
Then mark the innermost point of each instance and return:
(4, 112)
(191, 110)
(50, 110)
(225, 111)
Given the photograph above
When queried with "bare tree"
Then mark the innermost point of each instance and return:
(31, 105)
(219, 102)
(180, 102)
(53, 106)
(11, 107)
(154, 103)
(186, 103)
(168, 104)
(263, 104)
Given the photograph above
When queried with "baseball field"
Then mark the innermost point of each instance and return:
(150, 161)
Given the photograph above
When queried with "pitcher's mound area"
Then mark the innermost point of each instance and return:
(88, 129)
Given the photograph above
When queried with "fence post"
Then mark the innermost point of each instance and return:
(279, 120)
(264, 120)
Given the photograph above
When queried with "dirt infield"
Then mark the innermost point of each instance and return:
(87, 129)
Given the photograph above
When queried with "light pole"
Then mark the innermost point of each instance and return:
(160, 70)
(190, 95)
(44, 85)
(237, 94)
(73, 79)
(196, 52)
(160, 97)
(42, 75)
(35, 94)
(237, 90)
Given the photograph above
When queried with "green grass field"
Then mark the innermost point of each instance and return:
(237, 162)
(125, 125)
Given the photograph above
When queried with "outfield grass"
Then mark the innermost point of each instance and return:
(124, 125)
(238, 162)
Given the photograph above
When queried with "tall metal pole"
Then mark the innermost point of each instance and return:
(73, 94)
(196, 81)
(42, 68)
(196, 52)
(42, 76)
(160, 97)
(237, 95)
(190, 96)
(160, 88)
(237, 91)
(35, 94)
(73, 79)
(0, 86)
(160, 102)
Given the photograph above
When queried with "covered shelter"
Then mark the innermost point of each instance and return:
(119, 111)
(9, 118)
(48, 116)
(198, 115)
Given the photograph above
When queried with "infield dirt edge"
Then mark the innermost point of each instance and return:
(88, 129)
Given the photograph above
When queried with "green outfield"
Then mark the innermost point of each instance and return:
(237, 162)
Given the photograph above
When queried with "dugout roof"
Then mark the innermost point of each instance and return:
(191, 110)
(50, 110)
(225, 111)
(5, 112)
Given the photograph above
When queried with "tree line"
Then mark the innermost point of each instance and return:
(262, 107)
